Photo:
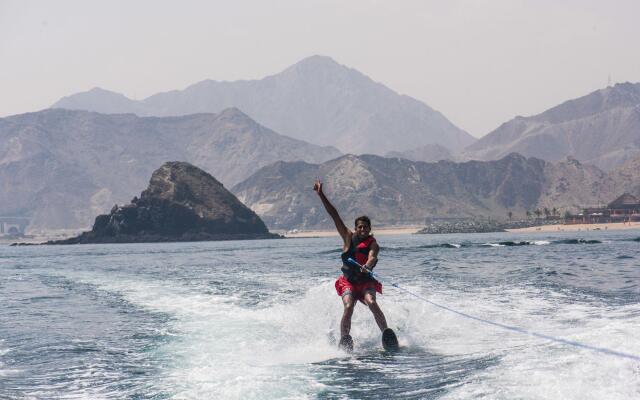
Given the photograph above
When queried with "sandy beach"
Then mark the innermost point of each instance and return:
(579, 227)
(403, 230)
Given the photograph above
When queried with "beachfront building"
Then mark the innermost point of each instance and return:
(13, 225)
(625, 208)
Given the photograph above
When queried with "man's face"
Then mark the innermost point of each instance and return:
(363, 229)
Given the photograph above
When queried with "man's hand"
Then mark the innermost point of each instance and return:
(318, 186)
(345, 233)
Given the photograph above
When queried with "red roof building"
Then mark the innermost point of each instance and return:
(625, 208)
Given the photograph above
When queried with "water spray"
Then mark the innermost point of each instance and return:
(517, 329)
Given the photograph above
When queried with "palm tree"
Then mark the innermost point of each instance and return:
(555, 212)
(546, 213)
(528, 213)
(510, 214)
(537, 212)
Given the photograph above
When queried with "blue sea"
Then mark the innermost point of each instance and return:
(256, 319)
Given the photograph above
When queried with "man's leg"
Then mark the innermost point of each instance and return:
(370, 300)
(345, 324)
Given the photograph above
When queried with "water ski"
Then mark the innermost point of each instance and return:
(389, 340)
(346, 343)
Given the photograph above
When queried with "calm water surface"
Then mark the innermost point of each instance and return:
(254, 319)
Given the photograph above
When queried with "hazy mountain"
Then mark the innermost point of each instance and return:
(393, 190)
(102, 101)
(627, 176)
(62, 167)
(602, 128)
(426, 153)
(572, 184)
(316, 100)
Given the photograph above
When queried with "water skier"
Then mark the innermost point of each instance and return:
(356, 283)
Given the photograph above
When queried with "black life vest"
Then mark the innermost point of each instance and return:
(359, 251)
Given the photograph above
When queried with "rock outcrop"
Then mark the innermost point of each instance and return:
(477, 226)
(182, 203)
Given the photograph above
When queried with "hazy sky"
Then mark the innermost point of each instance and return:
(478, 62)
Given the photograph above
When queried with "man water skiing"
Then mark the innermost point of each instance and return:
(356, 283)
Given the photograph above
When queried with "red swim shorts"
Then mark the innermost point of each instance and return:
(357, 290)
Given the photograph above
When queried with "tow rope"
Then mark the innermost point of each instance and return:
(517, 329)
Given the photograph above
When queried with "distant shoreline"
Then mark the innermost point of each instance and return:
(612, 226)
(400, 230)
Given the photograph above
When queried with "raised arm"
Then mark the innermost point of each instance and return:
(333, 213)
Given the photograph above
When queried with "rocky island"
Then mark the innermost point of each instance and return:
(182, 203)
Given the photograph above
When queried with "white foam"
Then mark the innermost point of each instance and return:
(222, 349)
(254, 353)
(534, 368)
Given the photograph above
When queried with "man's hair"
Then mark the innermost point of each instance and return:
(364, 219)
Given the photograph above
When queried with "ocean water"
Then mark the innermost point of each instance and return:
(254, 320)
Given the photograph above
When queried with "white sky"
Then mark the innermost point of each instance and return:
(478, 62)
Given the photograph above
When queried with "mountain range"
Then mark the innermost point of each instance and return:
(400, 191)
(61, 168)
(316, 100)
(601, 128)
(320, 101)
